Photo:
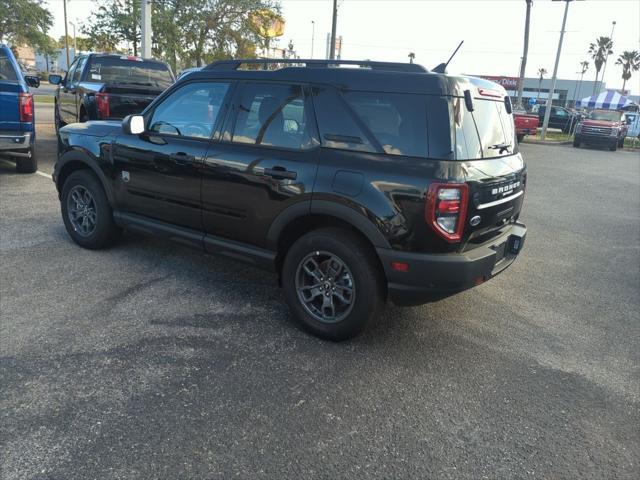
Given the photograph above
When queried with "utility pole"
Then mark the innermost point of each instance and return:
(145, 28)
(313, 35)
(547, 111)
(523, 63)
(66, 33)
(334, 24)
(604, 68)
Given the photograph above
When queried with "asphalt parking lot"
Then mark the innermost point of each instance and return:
(150, 360)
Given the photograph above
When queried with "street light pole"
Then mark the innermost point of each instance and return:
(313, 35)
(334, 24)
(145, 28)
(66, 32)
(75, 43)
(604, 68)
(547, 110)
(523, 62)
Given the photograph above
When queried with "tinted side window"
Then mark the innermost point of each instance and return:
(78, 71)
(337, 127)
(190, 111)
(274, 115)
(398, 121)
(7, 73)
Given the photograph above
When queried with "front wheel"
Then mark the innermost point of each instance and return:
(332, 284)
(614, 147)
(86, 212)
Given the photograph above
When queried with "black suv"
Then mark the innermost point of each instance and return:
(353, 184)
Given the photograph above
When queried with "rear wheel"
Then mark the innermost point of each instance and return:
(86, 212)
(576, 143)
(28, 164)
(332, 284)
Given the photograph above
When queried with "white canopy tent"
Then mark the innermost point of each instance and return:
(609, 100)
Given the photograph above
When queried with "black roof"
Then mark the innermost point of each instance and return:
(374, 76)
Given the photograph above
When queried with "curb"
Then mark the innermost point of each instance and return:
(540, 142)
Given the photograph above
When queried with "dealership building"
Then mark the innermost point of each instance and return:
(565, 93)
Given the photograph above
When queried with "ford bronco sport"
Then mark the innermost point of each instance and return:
(354, 184)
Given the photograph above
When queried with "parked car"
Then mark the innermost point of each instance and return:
(17, 119)
(560, 117)
(602, 127)
(525, 123)
(354, 184)
(106, 87)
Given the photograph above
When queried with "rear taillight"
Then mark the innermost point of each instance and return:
(102, 105)
(25, 101)
(446, 209)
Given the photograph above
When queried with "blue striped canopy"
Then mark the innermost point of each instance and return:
(610, 100)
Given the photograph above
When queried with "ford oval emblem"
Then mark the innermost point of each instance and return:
(475, 221)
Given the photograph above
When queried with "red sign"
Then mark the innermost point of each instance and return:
(506, 82)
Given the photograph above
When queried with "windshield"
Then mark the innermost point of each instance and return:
(122, 71)
(605, 115)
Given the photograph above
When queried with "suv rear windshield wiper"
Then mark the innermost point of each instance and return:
(501, 147)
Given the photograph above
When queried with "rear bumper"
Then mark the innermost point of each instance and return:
(434, 276)
(16, 144)
(596, 139)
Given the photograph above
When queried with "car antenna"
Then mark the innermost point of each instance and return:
(442, 68)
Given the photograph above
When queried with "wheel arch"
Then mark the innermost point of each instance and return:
(75, 160)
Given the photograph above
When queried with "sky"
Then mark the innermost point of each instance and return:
(492, 31)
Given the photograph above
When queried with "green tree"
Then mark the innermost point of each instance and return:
(48, 48)
(599, 52)
(25, 22)
(630, 62)
(115, 22)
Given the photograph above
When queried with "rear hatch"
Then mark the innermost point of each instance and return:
(495, 171)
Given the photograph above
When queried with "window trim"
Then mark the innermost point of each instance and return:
(217, 126)
(232, 117)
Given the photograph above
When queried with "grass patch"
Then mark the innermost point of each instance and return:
(43, 98)
(552, 136)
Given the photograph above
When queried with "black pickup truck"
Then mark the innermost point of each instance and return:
(106, 87)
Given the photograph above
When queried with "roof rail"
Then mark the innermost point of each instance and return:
(388, 66)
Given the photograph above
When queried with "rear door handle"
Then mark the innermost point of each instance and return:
(182, 158)
(280, 173)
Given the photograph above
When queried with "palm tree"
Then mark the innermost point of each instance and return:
(584, 66)
(630, 61)
(541, 73)
(599, 52)
(412, 57)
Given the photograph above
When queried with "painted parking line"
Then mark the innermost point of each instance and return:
(37, 172)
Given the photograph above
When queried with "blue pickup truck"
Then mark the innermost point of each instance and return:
(17, 121)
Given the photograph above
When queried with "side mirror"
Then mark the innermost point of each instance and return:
(468, 100)
(55, 79)
(32, 81)
(507, 104)
(133, 124)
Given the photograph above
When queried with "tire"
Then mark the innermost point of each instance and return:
(99, 215)
(614, 147)
(520, 138)
(621, 143)
(576, 143)
(359, 268)
(30, 164)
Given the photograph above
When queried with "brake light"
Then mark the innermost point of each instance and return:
(102, 105)
(25, 102)
(446, 209)
(485, 92)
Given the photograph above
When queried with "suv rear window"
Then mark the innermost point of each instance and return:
(7, 73)
(122, 71)
(486, 132)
